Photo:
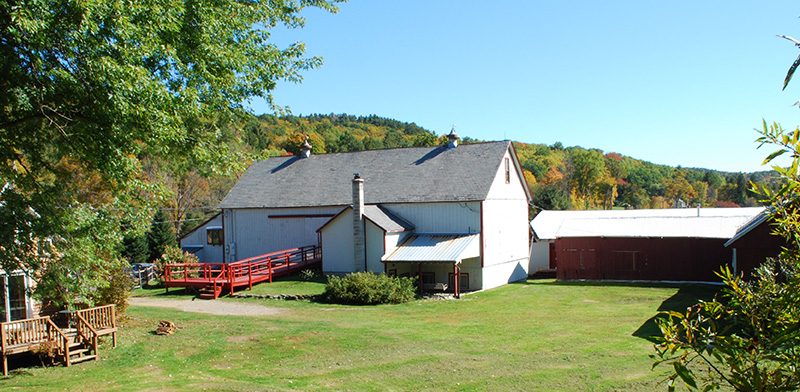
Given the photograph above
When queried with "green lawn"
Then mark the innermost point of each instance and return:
(291, 285)
(539, 335)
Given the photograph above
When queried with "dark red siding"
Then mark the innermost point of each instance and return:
(678, 259)
(754, 247)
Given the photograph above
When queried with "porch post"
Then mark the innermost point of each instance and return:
(7, 299)
(455, 280)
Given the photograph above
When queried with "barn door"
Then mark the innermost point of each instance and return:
(588, 259)
(625, 265)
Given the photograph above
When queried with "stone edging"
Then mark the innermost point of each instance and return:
(285, 297)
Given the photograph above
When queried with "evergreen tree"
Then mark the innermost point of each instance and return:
(136, 248)
(160, 235)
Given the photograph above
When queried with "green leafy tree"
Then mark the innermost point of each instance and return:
(679, 188)
(394, 139)
(348, 143)
(160, 235)
(89, 88)
(749, 338)
(590, 180)
(715, 182)
(425, 140)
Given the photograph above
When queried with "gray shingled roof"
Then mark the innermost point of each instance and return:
(386, 220)
(381, 217)
(398, 175)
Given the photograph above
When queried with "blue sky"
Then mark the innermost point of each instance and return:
(679, 83)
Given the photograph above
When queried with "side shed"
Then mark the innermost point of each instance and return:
(206, 240)
(754, 243)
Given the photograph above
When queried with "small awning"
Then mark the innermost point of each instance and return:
(436, 248)
(192, 248)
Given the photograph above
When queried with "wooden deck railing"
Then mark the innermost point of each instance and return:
(87, 333)
(101, 320)
(25, 335)
(28, 331)
(22, 335)
(250, 270)
(101, 317)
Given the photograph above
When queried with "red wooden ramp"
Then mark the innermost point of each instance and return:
(213, 279)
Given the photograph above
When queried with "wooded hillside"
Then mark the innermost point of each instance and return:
(560, 177)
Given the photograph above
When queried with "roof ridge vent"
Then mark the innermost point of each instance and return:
(305, 151)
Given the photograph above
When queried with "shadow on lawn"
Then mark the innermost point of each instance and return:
(688, 294)
(685, 297)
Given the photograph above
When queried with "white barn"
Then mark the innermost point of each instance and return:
(428, 212)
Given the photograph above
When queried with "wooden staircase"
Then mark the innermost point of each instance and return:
(211, 291)
(74, 344)
(79, 349)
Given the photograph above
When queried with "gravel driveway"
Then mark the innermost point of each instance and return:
(221, 308)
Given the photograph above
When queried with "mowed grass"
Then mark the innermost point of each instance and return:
(292, 285)
(538, 335)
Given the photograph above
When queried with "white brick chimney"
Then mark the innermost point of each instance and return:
(359, 247)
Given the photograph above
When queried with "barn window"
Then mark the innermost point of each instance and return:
(428, 278)
(214, 236)
(508, 171)
(463, 281)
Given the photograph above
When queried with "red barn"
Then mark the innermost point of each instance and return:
(684, 244)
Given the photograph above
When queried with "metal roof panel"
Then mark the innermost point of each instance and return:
(436, 248)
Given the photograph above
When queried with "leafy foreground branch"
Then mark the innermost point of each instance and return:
(749, 337)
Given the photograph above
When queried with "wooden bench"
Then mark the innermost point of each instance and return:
(435, 286)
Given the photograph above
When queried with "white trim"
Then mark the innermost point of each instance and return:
(26, 280)
(7, 304)
(28, 299)
(748, 227)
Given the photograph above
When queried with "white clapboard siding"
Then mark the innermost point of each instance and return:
(445, 217)
(198, 238)
(254, 231)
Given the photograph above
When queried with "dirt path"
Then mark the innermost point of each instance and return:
(220, 308)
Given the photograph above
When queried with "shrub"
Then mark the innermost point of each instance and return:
(366, 288)
(118, 289)
(309, 275)
(173, 255)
